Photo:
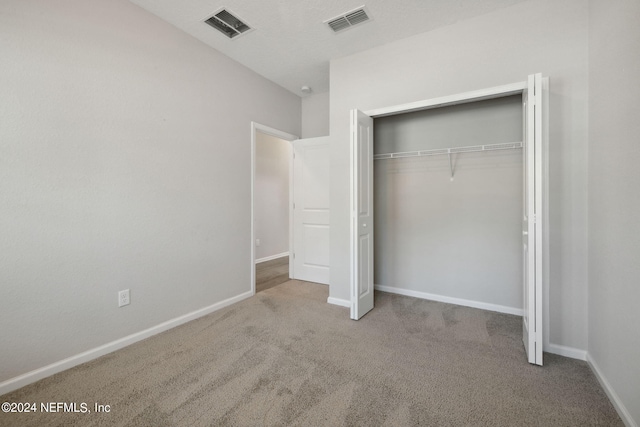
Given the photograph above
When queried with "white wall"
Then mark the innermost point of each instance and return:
(315, 115)
(459, 238)
(614, 198)
(271, 197)
(491, 50)
(126, 163)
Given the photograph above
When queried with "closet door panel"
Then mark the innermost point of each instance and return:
(532, 220)
(361, 214)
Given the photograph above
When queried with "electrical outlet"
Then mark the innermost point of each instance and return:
(257, 242)
(123, 298)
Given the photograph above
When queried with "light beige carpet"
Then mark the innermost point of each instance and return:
(286, 357)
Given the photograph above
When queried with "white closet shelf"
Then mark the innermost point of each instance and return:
(449, 151)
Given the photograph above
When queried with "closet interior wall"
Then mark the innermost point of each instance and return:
(452, 238)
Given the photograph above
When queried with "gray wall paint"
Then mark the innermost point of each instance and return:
(614, 198)
(126, 159)
(315, 115)
(271, 197)
(459, 238)
(486, 122)
(491, 50)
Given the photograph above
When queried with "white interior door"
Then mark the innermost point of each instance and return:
(311, 213)
(532, 219)
(361, 214)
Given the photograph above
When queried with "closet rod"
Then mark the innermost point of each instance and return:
(449, 151)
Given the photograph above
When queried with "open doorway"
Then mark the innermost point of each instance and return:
(271, 210)
(271, 207)
(307, 202)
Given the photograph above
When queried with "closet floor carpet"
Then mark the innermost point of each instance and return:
(286, 357)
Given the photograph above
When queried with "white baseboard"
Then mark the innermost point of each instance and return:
(340, 302)
(613, 396)
(62, 365)
(565, 351)
(451, 300)
(269, 258)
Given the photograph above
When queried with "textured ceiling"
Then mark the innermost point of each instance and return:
(290, 44)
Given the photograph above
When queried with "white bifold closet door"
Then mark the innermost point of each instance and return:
(532, 219)
(311, 212)
(361, 214)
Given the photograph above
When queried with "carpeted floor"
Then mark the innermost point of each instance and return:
(286, 357)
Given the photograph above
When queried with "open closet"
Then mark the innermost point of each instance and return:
(455, 186)
(448, 204)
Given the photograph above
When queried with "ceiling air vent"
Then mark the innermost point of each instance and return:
(228, 24)
(348, 19)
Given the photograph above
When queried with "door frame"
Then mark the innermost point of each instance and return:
(484, 94)
(255, 128)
